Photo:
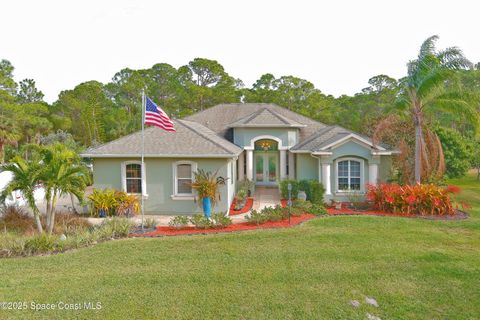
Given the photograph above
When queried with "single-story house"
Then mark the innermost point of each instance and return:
(261, 142)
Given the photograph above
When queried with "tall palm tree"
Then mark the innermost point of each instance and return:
(425, 90)
(62, 174)
(25, 179)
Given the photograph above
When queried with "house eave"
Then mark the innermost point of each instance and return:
(384, 153)
(268, 126)
(315, 153)
(354, 137)
(90, 155)
(322, 153)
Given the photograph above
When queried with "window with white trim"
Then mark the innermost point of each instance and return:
(183, 177)
(133, 178)
(349, 175)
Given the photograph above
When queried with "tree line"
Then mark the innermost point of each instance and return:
(94, 112)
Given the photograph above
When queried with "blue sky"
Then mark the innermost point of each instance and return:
(337, 45)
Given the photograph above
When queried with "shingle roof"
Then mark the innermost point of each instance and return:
(191, 139)
(205, 134)
(327, 136)
(265, 118)
(218, 118)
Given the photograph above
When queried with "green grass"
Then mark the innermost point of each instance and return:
(415, 268)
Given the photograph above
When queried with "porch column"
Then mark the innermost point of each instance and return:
(250, 165)
(240, 166)
(283, 164)
(326, 167)
(291, 165)
(373, 173)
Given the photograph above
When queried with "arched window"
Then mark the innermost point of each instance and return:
(183, 177)
(349, 175)
(266, 145)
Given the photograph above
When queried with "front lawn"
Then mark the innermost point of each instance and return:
(414, 268)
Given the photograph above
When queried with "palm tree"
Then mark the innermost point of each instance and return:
(25, 179)
(62, 174)
(425, 90)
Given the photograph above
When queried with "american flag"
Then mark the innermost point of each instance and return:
(154, 115)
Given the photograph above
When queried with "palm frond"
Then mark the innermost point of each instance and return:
(453, 58)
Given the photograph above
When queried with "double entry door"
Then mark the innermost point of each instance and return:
(266, 167)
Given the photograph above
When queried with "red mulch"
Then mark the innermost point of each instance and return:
(169, 231)
(346, 211)
(248, 205)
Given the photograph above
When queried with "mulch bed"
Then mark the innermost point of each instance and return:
(169, 231)
(459, 215)
(248, 205)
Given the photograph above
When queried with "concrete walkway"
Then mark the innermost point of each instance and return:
(265, 197)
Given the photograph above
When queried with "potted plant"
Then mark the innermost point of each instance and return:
(240, 199)
(247, 185)
(103, 201)
(128, 204)
(207, 186)
(335, 204)
(302, 195)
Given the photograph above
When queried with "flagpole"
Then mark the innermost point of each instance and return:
(144, 183)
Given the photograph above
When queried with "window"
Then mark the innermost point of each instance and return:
(349, 175)
(266, 145)
(133, 177)
(183, 177)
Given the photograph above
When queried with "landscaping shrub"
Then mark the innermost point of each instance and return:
(257, 217)
(247, 185)
(113, 203)
(179, 222)
(313, 189)
(304, 205)
(317, 209)
(273, 214)
(70, 224)
(423, 199)
(200, 221)
(220, 220)
(16, 219)
(103, 200)
(116, 227)
(12, 244)
(126, 204)
(43, 243)
(308, 207)
(316, 192)
(284, 188)
(81, 239)
(294, 211)
(150, 223)
(276, 213)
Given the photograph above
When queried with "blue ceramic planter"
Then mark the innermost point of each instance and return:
(101, 213)
(207, 207)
